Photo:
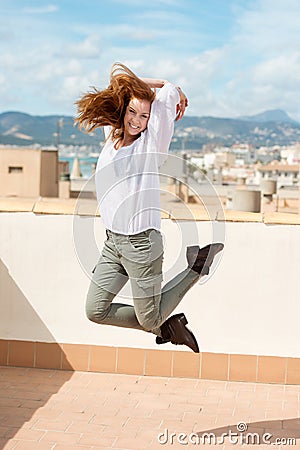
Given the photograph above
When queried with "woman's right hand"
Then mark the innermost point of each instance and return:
(182, 105)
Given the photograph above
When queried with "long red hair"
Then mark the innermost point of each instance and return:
(107, 107)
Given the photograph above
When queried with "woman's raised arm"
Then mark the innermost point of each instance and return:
(159, 83)
(154, 82)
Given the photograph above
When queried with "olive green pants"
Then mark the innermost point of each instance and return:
(137, 258)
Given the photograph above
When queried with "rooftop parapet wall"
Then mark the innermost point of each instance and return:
(248, 306)
(88, 207)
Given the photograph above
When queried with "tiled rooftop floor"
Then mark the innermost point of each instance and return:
(48, 409)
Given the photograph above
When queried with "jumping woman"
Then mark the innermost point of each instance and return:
(138, 116)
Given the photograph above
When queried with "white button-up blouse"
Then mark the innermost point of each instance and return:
(127, 179)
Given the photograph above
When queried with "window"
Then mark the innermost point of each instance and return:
(15, 169)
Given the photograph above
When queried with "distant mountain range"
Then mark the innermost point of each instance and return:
(267, 128)
(18, 128)
(273, 115)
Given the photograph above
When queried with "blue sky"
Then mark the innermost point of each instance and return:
(231, 57)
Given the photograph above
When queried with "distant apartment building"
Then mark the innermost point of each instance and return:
(28, 172)
(291, 154)
(284, 174)
(215, 159)
(224, 159)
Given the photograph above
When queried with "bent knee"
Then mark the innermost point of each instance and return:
(96, 311)
(91, 315)
(96, 315)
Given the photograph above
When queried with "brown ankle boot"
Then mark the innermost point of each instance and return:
(174, 330)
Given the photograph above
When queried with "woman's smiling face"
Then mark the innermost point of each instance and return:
(136, 117)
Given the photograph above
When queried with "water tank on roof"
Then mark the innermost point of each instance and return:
(244, 200)
(268, 187)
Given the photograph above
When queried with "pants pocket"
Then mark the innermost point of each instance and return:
(147, 295)
(148, 286)
(140, 241)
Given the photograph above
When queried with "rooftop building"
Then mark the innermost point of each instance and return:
(284, 174)
(28, 172)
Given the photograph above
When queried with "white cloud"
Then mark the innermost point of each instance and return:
(137, 34)
(283, 71)
(270, 26)
(171, 17)
(260, 64)
(153, 3)
(41, 9)
(199, 74)
(89, 47)
(6, 33)
(256, 68)
(273, 83)
(54, 70)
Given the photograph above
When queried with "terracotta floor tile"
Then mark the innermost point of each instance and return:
(186, 365)
(107, 420)
(135, 443)
(283, 434)
(147, 433)
(205, 422)
(72, 447)
(3, 431)
(157, 446)
(240, 386)
(102, 359)
(96, 411)
(21, 353)
(132, 388)
(291, 424)
(75, 356)
(187, 408)
(152, 423)
(3, 352)
(97, 439)
(23, 445)
(44, 413)
(61, 437)
(292, 388)
(136, 412)
(82, 427)
(172, 425)
(53, 425)
(8, 444)
(243, 368)
(104, 447)
(158, 363)
(214, 366)
(48, 355)
(28, 435)
(271, 369)
(79, 415)
(131, 360)
(187, 383)
(165, 414)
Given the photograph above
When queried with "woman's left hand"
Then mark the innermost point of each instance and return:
(182, 105)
